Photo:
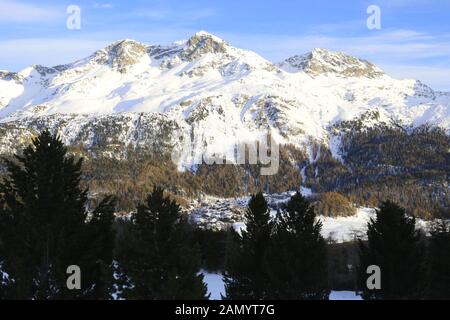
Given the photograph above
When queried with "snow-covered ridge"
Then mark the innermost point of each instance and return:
(216, 92)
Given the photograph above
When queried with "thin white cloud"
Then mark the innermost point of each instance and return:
(14, 11)
(179, 15)
(405, 3)
(437, 77)
(156, 14)
(103, 5)
(47, 52)
(342, 26)
(198, 14)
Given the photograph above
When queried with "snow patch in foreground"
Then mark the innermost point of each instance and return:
(345, 229)
(216, 288)
(344, 295)
(215, 284)
(339, 229)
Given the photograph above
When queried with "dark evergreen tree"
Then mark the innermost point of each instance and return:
(100, 254)
(246, 276)
(158, 258)
(43, 228)
(395, 246)
(438, 286)
(213, 246)
(297, 259)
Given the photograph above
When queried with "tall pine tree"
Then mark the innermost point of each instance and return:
(297, 259)
(100, 235)
(438, 284)
(246, 276)
(157, 257)
(43, 225)
(395, 246)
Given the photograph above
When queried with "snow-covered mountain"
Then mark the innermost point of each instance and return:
(132, 93)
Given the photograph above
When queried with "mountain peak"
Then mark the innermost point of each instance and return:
(202, 43)
(205, 35)
(320, 51)
(121, 54)
(321, 61)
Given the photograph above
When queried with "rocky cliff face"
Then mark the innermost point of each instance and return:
(324, 62)
(121, 55)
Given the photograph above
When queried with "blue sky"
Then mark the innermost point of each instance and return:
(413, 42)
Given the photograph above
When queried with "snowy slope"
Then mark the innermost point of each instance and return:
(215, 92)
